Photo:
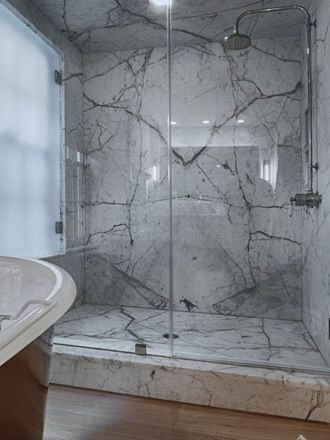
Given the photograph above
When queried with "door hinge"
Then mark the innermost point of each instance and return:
(59, 227)
(58, 76)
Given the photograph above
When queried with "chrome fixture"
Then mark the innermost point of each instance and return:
(309, 199)
(238, 41)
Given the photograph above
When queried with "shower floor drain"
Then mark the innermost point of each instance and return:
(167, 335)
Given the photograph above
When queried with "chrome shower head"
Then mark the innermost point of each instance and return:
(236, 41)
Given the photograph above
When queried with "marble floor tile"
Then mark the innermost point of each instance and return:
(201, 335)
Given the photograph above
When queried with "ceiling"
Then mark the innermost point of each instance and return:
(110, 25)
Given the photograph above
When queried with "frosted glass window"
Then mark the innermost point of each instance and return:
(30, 141)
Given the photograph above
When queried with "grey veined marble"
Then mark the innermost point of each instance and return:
(112, 25)
(236, 162)
(316, 223)
(200, 335)
(286, 393)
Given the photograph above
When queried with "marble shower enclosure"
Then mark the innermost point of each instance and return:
(236, 162)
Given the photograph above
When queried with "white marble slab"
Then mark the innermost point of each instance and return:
(266, 391)
(236, 249)
(201, 335)
(99, 25)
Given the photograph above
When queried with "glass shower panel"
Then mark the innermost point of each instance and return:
(127, 206)
(237, 160)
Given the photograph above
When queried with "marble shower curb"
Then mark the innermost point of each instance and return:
(266, 391)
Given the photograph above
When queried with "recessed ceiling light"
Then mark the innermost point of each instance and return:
(240, 121)
(174, 123)
(161, 2)
(206, 122)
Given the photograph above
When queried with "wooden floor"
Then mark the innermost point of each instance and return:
(87, 415)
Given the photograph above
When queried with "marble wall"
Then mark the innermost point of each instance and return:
(316, 244)
(73, 260)
(127, 257)
(112, 25)
(237, 251)
(236, 162)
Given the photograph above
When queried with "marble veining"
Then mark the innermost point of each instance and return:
(112, 25)
(238, 253)
(236, 249)
(316, 223)
(216, 168)
(200, 335)
(287, 393)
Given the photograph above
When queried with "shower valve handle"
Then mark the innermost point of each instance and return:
(309, 199)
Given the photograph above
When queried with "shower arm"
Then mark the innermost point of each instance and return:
(309, 24)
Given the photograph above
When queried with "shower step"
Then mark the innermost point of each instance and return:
(251, 389)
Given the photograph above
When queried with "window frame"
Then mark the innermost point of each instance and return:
(62, 149)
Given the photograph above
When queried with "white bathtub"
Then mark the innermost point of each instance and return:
(33, 296)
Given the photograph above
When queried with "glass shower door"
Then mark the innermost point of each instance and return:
(127, 206)
(237, 160)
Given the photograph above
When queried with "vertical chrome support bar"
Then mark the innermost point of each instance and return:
(309, 25)
(170, 176)
(310, 104)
